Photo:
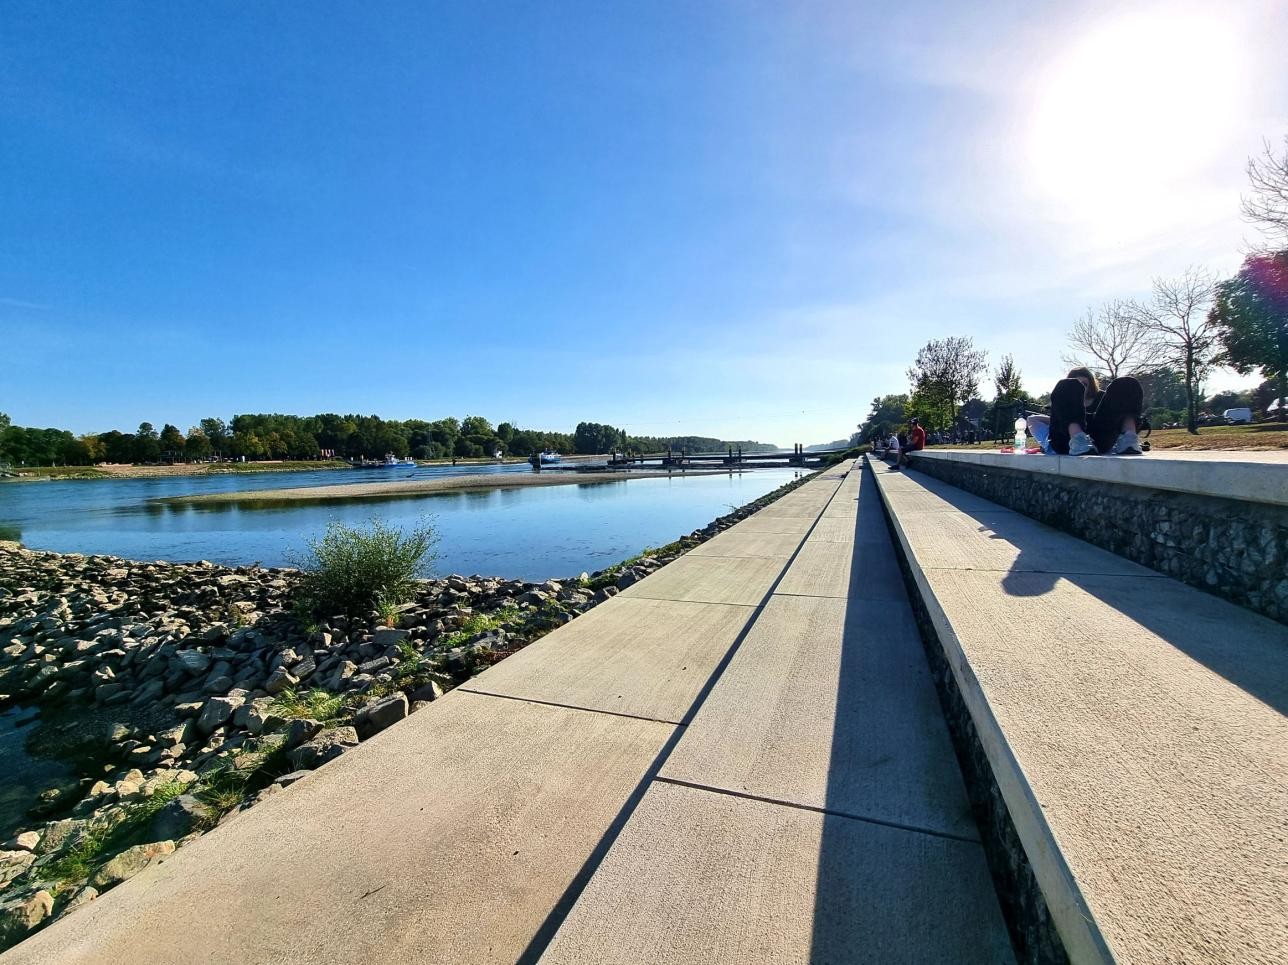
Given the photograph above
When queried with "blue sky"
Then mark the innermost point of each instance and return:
(732, 218)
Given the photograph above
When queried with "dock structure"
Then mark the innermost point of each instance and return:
(733, 458)
(882, 720)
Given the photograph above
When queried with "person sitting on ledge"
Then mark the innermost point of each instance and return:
(916, 442)
(1087, 420)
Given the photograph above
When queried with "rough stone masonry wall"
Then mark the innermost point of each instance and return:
(1234, 549)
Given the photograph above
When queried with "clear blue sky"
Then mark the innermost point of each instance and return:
(733, 218)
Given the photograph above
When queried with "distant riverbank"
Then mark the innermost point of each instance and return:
(127, 471)
(384, 489)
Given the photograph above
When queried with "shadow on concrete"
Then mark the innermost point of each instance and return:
(1248, 650)
(880, 907)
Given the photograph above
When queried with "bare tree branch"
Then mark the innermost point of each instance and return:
(1114, 338)
(1180, 324)
(1267, 206)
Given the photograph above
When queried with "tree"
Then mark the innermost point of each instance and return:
(171, 439)
(4, 422)
(1111, 339)
(1250, 313)
(147, 444)
(887, 412)
(216, 430)
(1006, 380)
(1178, 321)
(1267, 206)
(944, 375)
(196, 446)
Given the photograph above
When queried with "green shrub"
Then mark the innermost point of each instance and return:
(316, 704)
(353, 571)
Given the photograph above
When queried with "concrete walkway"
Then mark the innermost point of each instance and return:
(1136, 727)
(739, 759)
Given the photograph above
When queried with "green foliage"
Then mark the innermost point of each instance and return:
(351, 571)
(101, 841)
(1251, 312)
(315, 704)
(888, 412)
(944, 375)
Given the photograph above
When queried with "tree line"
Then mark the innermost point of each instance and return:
(1171, 341)
(324, 436)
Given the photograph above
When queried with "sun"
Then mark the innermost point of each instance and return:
(1131, 112)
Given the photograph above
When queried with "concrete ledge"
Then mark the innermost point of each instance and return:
(1217, 521)
(1258, 477)
(1136, 731)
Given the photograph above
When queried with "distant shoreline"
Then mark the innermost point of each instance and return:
(128, 471)
(418, 487)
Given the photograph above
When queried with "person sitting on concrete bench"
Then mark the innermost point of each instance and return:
(892, 447)
(1087, 420)
(916, 442)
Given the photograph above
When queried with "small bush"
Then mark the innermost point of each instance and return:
(353, 571)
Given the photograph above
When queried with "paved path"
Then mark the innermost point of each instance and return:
(1137, 728)
(739, 759)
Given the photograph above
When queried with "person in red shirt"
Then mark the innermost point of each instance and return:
(916, 441)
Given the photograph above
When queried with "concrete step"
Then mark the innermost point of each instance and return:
(1135, 728)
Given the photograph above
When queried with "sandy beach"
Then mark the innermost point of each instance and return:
(418, 487)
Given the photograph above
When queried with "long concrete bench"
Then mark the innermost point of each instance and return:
(739, 758)
(1216, 520)
(1134, 727)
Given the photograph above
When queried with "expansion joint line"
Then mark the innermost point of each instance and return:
(584, 710)
(829, 812)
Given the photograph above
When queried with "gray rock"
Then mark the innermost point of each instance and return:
(19, 917)
(430, 691)
(27, 841)
(216, 712)
(279, 680)
(13, 864)
(83, 896)
(299, 730)
(388, 636)
(59, 834)
(179, 818)
(326, 746)
(193, 662)
(129, 863)
(379, 714)
(286, 780)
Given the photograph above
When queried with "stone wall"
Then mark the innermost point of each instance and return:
(1232, 548)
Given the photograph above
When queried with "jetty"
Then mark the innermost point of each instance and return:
(884, 719)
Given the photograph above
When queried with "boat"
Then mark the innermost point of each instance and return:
(391, 460)
(549, 458)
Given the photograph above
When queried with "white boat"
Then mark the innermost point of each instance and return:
(549, 458)
(391, 460)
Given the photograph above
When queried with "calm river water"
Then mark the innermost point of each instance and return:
(532, 533)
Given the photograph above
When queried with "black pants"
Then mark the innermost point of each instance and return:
(1121, 398)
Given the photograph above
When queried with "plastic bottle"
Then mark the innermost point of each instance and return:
(1020, 425)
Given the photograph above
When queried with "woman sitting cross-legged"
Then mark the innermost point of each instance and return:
(1087, 420)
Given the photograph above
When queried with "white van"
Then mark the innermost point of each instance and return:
(1238, 415)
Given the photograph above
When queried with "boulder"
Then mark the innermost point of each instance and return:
(299, 730)
(19, 917)
(326, 746)
(59, 834)
(27, 841)
(193, 662)
(13, 864)
(216, 712)
(83, 896)
(388, 636)
(379, 714)
(179, 818)
(279, 680)
(430, 691)
(129, 863)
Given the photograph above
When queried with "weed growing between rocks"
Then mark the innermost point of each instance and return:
(194, 690)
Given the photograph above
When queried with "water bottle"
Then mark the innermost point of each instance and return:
(1020, 424)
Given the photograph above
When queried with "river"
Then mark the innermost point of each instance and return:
(531, 533)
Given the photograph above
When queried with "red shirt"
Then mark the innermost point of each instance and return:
(917, 438)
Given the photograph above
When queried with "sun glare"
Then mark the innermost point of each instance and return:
(1131, 113)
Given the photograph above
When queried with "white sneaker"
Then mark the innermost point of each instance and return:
(1127, 444)
(1081, 445)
